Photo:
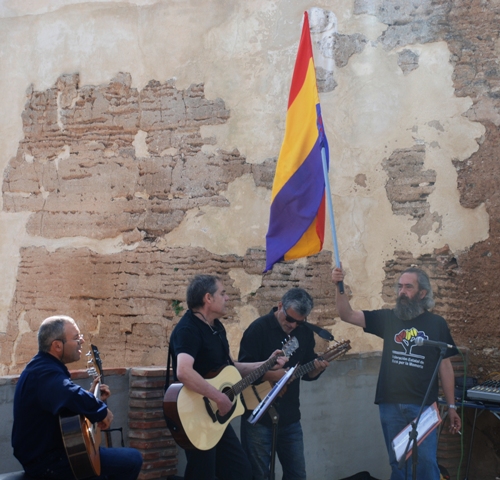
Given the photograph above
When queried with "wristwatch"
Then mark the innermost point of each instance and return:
(452, 406)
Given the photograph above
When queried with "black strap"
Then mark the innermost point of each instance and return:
(320, 331)
(167, 374)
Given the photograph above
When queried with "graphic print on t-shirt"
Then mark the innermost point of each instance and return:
(406, 338)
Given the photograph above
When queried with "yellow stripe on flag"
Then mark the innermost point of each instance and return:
(301, 131)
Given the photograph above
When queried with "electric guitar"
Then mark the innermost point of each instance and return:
(253, 394)
(80, 436)
(194, 420)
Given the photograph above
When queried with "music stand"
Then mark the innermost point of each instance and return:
(413, 435)
(266, 404)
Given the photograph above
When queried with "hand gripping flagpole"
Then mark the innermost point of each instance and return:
(330, 212)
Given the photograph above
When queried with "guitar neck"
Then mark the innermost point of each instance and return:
(303, 369)
(328, 356)
(254, 375)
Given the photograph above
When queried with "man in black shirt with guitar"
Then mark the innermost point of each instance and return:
(261, 337)
(46, 400)
(199, 409)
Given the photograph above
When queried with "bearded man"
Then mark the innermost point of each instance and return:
(406, 369)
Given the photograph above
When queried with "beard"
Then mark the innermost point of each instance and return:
(408, 309)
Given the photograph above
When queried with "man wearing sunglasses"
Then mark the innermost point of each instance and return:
(261, 338)
(44, 392)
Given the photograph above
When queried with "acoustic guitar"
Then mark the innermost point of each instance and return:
(80, 436)
(194, 420)
(253, 394)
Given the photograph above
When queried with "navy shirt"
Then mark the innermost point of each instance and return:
(259, 341)
(45, 391)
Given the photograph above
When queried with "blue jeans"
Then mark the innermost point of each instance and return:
(256, 440)
(394, 417)
(116, 464)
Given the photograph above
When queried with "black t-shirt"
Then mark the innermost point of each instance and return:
(406, 369)
(259, 341)
(208, 346)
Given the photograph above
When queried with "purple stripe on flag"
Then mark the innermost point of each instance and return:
(295, 207)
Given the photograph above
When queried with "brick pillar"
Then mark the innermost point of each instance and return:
(147, 429)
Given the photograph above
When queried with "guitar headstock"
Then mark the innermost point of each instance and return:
(290, 346)
(336, 350)
(94, 359)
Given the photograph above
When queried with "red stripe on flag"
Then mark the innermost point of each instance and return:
(304, 55)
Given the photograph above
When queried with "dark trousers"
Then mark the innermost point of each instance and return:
(116, 464)
(226, 461)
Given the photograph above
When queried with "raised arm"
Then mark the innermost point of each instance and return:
(346, 313)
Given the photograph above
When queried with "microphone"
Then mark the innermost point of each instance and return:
(420, 341)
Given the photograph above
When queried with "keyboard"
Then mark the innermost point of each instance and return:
(488, 391)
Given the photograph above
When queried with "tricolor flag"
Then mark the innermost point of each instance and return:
(297, 219)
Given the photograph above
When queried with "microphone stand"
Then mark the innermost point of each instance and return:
(413, 435)
(275, 419)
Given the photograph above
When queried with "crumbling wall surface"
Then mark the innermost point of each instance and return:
(110, 179)
(128, 303)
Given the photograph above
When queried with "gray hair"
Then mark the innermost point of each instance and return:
(299, 300)
(424, 283)
(198, 288)
(52, 328)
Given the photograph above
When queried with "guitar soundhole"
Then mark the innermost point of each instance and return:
(227, 416)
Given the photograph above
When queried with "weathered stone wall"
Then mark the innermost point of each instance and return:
(138, 144)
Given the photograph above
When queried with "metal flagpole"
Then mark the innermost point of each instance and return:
(330, 212)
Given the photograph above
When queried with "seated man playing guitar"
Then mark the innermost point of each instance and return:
(199, 347)
(44, 393)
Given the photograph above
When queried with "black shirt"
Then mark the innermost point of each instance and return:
(406, 369)
(207, 345)
(259, 341)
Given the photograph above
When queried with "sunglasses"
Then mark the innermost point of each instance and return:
(290, 319)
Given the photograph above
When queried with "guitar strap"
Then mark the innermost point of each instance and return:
(167, 374)
(320, 331)
(169, 355)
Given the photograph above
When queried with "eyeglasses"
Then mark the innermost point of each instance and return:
(78, 338)
(290, 319)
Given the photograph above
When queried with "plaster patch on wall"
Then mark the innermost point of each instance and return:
(139, 143)
(243, 218)
(245, 283)
(333, 49)
(23, 328)
(245, 314)
(12, 231)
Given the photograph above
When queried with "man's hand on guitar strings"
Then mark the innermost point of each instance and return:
(224, 404)
(105, 392)
(280, 360)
